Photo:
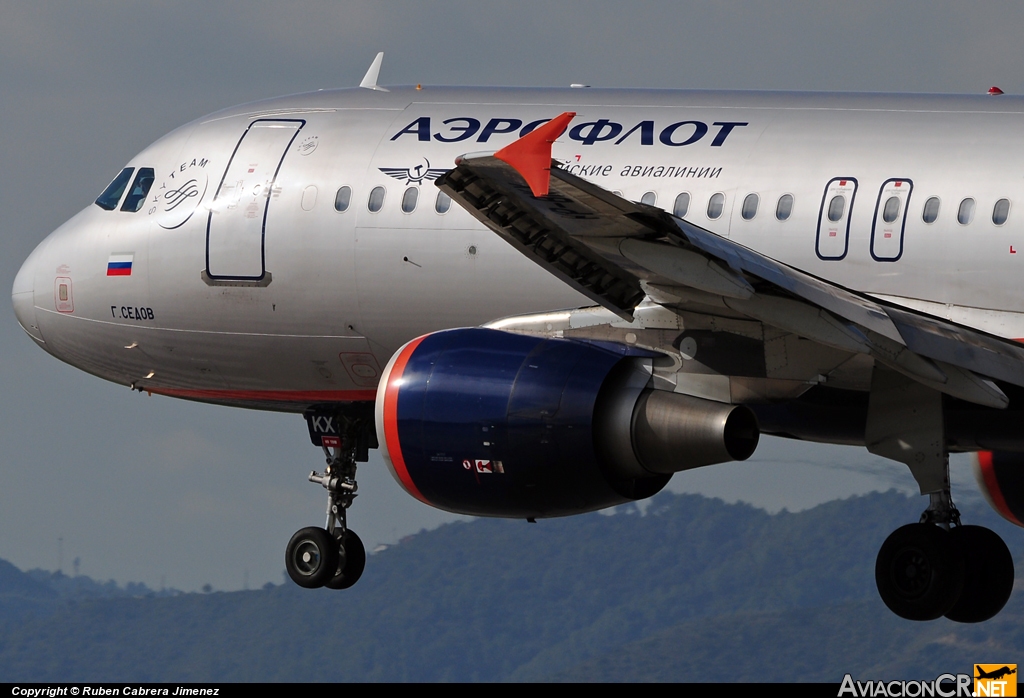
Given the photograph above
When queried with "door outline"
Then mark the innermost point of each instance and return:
(903, 218)
(266, 208)
(849, 218)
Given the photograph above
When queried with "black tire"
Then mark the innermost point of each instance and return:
(311, 557)
(988, 574)
(919, 572)
(351, 562)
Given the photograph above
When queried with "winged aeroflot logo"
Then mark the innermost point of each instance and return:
(414, 175)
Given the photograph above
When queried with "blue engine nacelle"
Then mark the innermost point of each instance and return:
(491, 423)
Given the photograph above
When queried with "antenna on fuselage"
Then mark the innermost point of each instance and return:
(370, 79)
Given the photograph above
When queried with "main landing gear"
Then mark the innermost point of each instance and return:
(936, 567)
(332, 556)
(939, 567)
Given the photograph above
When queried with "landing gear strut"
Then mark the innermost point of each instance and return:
(332, 556)
(936, 567)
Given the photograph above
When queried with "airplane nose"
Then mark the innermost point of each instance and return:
(23, 297)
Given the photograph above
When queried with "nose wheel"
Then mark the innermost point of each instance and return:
(312, 557)
(351, 561)
(333, 556)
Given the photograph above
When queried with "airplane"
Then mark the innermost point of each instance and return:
(997, 674)
(544, 302)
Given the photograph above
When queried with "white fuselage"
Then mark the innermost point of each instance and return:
(248, 287)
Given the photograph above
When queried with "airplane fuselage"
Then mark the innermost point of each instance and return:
(238, 280)
(825, 272)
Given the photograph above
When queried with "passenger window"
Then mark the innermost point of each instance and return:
(342, 199)
(785, 207)
(1001, 211)
(836, 207)
(966, 213)
(376, 201)
(749, 209)
(112, 194)
(409, 199)
(715, 206)
(139, 190)
(443, 202)
(649, 198)
(682, 205)
(891, 210)
(931, 210)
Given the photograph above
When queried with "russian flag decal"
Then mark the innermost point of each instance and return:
(120, 264)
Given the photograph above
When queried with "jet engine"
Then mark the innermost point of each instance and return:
(490, 423)
(1000, 476)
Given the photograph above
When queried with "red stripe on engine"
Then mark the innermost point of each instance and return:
(988, 474)
(391, 420)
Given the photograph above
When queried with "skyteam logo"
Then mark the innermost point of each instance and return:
(180, 193)
(414, 175)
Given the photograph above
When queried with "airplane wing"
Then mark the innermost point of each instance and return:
(617, 252)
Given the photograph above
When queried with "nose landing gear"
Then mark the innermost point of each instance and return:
(332, 556)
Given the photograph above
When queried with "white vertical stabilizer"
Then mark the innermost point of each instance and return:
(370, 79)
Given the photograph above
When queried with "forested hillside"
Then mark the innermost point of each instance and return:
(691, 590)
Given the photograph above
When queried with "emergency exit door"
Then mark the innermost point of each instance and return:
(833, 238)
(236, 229)
(890, 220)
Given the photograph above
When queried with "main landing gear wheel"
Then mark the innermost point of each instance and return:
(920, 572)
(351, 561)
(988, 578)
(311, 557)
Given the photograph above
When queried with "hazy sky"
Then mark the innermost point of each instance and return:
(161, 491)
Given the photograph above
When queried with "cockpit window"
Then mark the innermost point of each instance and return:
(140, 188)
(112, 194)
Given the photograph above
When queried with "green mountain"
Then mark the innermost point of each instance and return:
(692, 589)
